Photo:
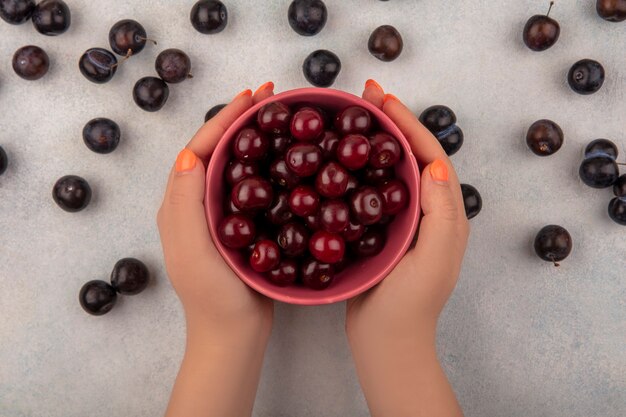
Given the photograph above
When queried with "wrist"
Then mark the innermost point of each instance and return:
(248, 333)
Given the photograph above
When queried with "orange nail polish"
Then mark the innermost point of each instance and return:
(185, 161)
(372, 83)
(244, 93)
(439, 170)
(390, 97)
(267, 86)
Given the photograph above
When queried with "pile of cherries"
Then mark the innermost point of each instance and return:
(307, 195)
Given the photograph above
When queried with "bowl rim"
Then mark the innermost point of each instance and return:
(275, 293)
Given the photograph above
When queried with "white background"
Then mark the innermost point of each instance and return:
(518, 337)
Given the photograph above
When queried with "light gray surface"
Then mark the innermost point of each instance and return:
(518, 337)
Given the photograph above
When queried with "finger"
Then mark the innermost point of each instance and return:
(204, 141)
(263, 92)
(424, 145)
(183, 224)
(374, 93)
(444, 228)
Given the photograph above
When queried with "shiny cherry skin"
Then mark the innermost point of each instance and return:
(370, 244)
(385, 43)
(265, 256)
(316, 275)
(98, 65)
(601, 147)
(321, 68)
(327, 247)
(544, 137)
(230, 208)
(101, 135)
(173, 66)
(472, 201)
(611, 10)
(617, 210)
(72, 193)
(16, 12)
(274, 117)
(328, 144)
(236, 171)
(213, 111)
(553, 244)
(541, 31)
(385, 151)
(307, 125)
(307, 17)
(250, 145)
(353, 120)
(353, 231)
(440, 120)
(293, 239)
(279, 212)
(236, 231)
(282, 175)
(31, 62)
(378, 176)
(209, 16)
(599, 171)
(279, 144)
(304, 159)
(286, 273)
(353, 183)
(366, 205)
(586, 76)
(619, 187)
(52, 17)
(332, 180)
(97, 297)
(353, 151)
(334, 215)
(127, 37)
(252, 193)
(395, 197)
(130, 276)
(151, 93)
(312, 221)
(304, 201)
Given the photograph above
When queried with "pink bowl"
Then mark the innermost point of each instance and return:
(363, 273)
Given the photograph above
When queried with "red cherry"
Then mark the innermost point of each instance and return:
(237, 170)
(293, 238)
(327, 247)
(370, 244)
(304, 201)
(329, 144)
(366, 204)
(265, 256)
(274, 117)
(332, 180)
(282, 175)
(304, 159)
(385, 151)
(250, 145)
(236, 231)
(334, 216)
(353, 231)
(395, 197)
(279, 144)
(353, 119)
(307, 125)
(378, 176)
(280, 212)
(353, 151)
(252, 193)
(316, 275)
(285, 273)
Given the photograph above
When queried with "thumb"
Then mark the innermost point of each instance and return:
(182, 220)
(444, 228)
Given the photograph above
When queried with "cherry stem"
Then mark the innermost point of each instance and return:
(554, 262)
(190, 75)
(129, 53)
(148, 40)
(551, 4)
(621, 163)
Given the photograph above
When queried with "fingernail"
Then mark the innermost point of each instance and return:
(185, 161)
(267, 86)
(389, 97)
(372, 83)
(244, 93)
(439, 171)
